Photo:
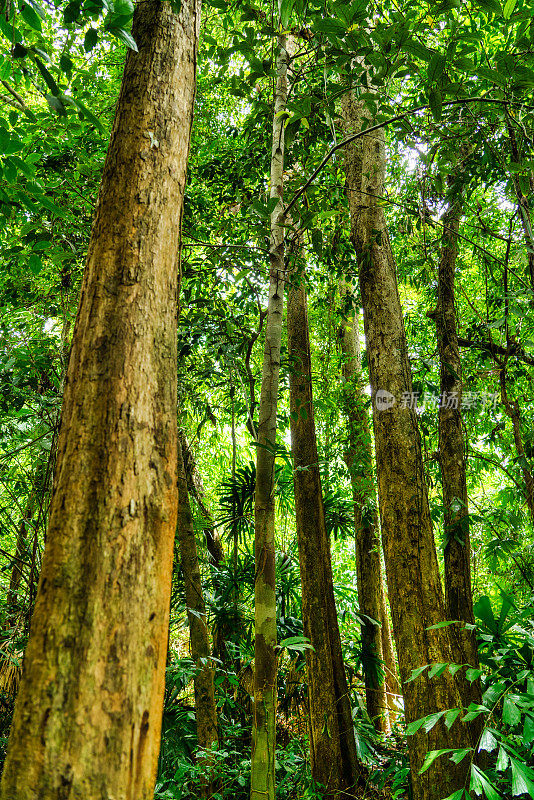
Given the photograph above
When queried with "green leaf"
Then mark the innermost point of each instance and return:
(473, 675)
(436, 67)
(19, 51)
(490, 5)
(481, 785)
(414, 726)
(22, 166)
(56, 104)
(528, 729)
(285, 12)
(459, 755)
(492, 75)
(65, 63)
(431, 757)
(450, 716)
(457, 795)
(488, 742)
(502, 760)
(33, 19)
(511, 715)
(437, 670)
(125, 37)
(35, 264)
(431, 720)
(91, 38)
(444, 624)
(48, 79)
(48, 204)
(88, 114)
(9, 144)
(416, 673)
(522, 779)
(509, 8)
(333, 26)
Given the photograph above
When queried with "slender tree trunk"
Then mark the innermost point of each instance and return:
(457, 550)
(332, 745)
(414, 586)
(21, 547)
(196, 489)
(393, 688)
(88, 716)
(265, 665)
(512, 410)
(359, 458)
(206, 712)
(522, 200)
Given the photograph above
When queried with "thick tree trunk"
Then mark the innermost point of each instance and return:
(414, 586)
(265, 665)
(359, 458)
(88, 716)
(206, 712)
(332, 745)
(457, 550)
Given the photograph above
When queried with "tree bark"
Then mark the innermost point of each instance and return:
(265, 664)
(414, 585)
(196, 488)
(457, 550)
(359, 458)
(90, 702)
(333, 752)
(206, 713)
(513, 411)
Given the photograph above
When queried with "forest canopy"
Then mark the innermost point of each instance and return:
(267, 410)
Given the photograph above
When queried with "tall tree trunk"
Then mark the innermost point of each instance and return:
(265, 664)
(90, 702)
(513, 411)
(522, 199)
(393, 688)
(332, 745)
(359, 458)
(414, 585)
(206, 712)
(13, 592)
(457, 550)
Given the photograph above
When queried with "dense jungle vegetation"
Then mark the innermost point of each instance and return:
(267, 407)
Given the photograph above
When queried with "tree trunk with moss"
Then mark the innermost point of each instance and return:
(359, 458)
(87, 719)
(413, 578)
(457, 550)
(265, 661)
(333, 752)
(206, 712)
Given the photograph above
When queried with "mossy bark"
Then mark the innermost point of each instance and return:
(333, 752)
(88, 715)
(206, 712)
(457, 549)
(413, 578)
(359, 458)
